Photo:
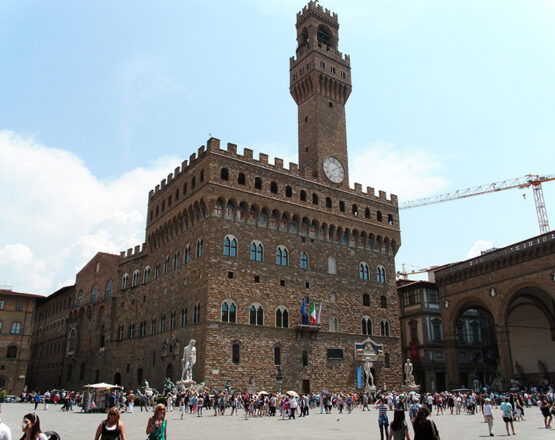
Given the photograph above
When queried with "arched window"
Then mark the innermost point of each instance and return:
(332, 269)
(363, 271)
(146, 275)
(304, 260)
(314, 199)
(200, 245)
(162, 323)
(383, 302)
(241, 179)
(380, 274)
(235, 356)
(328, 203)
(196, 314)
(94, 293)
(258, 183)
(342, 206)
(12, 352)
(108, 290)
(367, 213)
(366, 325)
(355, 210)
(167, 264)
(282, 317)
(183, 316)
(256, 314)
(277, 356)
(80, 296)
(175, 263)
(224, 174)
(257, 253)
(135, 279)
(288, 191)
(365, 299)
(230, 246)
(384, 327)
(229, 311)
(187, 254)
(334, 324)
(390, 219)
(281, 256)
(302, 195)
(379, 216)
(273, 187)
(16, 328)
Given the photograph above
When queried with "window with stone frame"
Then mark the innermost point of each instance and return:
(366, 325)
(384, 327)
(302, 195)
(282, 317)
(256, 251)
(383, 302)
(304, 260)
(153, 326)
(146, 275)
(241, 178)
(183, 316)
(196, 314)
(230, 246)
(166, 265)
(256, 314)
(143, 329)
(94, 293)
(229, 311)
(281, 256)
(162, 323)
(172, 321)
(11, 353)
(258, 183)
(277, 355)
(413, 328)
(379, 216)
(200, 246)
(334, 324)
(365, 299)
(131, 331)
(288, 191)
(380, 274)
(157, 271)
(187, 254)
(332, 266)
(363, 271)
(224, 174)
(305, 358)
(135, 279)
(124, 282)
(175, 260)
(235, 353)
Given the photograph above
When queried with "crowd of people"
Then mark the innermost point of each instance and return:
(512, 406)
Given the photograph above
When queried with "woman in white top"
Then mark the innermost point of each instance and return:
(488, 416)
(31, 428)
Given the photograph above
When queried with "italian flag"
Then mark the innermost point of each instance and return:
(313, 313)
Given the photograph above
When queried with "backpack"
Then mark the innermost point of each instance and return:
(52, 435)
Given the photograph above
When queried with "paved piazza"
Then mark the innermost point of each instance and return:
(357, 425)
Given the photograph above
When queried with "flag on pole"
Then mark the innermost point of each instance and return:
(319, 313)
(313, 313)
(303, 313)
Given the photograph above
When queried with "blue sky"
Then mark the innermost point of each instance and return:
(100, 100)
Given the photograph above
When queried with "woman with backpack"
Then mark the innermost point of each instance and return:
(398, 430)
(111, 428)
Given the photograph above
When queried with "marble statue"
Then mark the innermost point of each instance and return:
(409, 378)
(188, 361)
(368, 372)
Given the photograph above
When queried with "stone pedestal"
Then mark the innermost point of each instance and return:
(410, 388)
(183, 385)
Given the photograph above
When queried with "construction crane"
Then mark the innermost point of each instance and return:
(530, 180)
(404, 273)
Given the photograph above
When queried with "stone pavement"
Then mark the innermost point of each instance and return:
(357, 425)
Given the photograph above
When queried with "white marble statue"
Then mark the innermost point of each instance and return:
(409, 378)
(189, 359)
(368, 372)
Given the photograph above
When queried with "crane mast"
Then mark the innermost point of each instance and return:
(530, 180)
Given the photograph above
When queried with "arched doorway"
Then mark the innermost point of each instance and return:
(117, 379)
(169, 372)
(530, 322)
(476, 343)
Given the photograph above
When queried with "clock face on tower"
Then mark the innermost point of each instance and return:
(333, 169)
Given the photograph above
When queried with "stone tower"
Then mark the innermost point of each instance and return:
(320, 83)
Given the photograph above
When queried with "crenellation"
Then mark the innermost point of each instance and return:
(231, 148)
(370, 191)
(358, 187)
(382, 195)
(170, 178)
(213, 144)
(263, 158)
(184, 165)
(122, 254)
(192, 158)
(394, 199)
(201, 151)
(157, 188)
(177, 171)
(162, 183)
(278, 163)
(129, 252)
(247, 153)
(293, 167)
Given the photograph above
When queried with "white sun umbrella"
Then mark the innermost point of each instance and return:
(292, 393)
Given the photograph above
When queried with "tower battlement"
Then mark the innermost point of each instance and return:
(314, 8)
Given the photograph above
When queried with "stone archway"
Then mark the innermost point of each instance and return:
(529, 316)
(117, 379)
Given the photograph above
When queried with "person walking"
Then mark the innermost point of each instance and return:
(398, 429)
(31, 428)
(424, 429)
(111, 428)
(383, 421)
(37, 400)
(156, 426)
(545, 408)
(130, 402)
(488, 416)
(507, 409)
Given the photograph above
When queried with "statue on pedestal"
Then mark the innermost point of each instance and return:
(409, 378)
(188, 361)
(368, 364)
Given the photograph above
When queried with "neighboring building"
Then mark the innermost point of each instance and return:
(422, 332)
(48, 345)
(16, 326)
(88, 356)
(503, 302)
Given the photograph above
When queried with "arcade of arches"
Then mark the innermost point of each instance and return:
(498, 313)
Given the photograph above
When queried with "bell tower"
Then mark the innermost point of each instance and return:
(320, 84)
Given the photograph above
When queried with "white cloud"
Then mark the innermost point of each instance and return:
(57, 214)
(410, 174)
(478, 247)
